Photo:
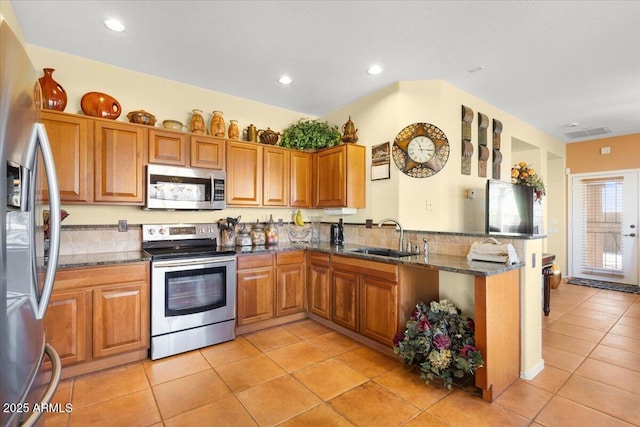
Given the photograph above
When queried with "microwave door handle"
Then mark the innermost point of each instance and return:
(54, 221)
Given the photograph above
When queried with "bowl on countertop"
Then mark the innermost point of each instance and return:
(299, 233)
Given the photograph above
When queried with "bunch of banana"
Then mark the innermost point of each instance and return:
(297, 218)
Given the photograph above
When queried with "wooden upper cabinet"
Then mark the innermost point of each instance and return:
(244, 173)
(168, 147)
(301, 179)
(119, 150)
(275, 184)
(207, 152)
(339, 177)
(71, 139)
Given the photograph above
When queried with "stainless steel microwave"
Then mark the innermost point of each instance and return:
(171, 187)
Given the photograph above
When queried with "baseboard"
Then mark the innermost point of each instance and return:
(531, 373)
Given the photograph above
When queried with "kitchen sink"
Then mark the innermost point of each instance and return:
(382, 252)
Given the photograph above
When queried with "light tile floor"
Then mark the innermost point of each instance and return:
(304, 374)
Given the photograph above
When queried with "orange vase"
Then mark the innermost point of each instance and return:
(53, 95)
(196, 124)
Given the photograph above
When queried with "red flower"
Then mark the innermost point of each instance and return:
(397, 338)
(464, 351)
(442, 342)
(423, 324)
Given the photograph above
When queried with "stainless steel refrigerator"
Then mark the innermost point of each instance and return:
(26, 278)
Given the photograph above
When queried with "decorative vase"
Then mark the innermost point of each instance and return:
(54, 95)
(217, 126)
(98, 104)
(234, 130)
(196, 124)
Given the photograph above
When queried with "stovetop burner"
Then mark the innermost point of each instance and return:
(176, 241)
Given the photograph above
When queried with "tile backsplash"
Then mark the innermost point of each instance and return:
(84, 239)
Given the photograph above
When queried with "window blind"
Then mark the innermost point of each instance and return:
(601, 227)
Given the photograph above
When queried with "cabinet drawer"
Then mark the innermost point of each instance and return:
(293, 257)
(379, 270)
(318, 259)
(253, 261)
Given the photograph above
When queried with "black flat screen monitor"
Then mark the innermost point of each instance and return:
(509, 208)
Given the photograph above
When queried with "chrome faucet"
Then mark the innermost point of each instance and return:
(398, 225)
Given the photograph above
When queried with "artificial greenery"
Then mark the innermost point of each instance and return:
(310, 134)
(440, 342)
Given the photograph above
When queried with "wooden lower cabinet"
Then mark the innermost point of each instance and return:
(378, 309)
(120, 319)
(98, 317)
(319, 284)
(290, 282)
(365, 297)
(66, 325)
(344, 307)
(255, 288)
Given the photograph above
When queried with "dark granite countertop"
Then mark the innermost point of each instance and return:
(452, 263)
(92, 260)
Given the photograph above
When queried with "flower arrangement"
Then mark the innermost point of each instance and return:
(440, 342)
(522, 173)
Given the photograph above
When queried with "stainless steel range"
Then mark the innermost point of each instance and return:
(193, 288)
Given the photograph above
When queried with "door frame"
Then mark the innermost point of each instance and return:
(570, 212)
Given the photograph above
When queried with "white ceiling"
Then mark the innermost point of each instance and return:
(549, 63)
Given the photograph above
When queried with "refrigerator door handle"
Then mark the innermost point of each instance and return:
(54, 221)
(56, 372)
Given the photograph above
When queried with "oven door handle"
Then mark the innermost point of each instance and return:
(192, 262)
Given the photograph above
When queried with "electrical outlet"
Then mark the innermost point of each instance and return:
(122, 225)
(429, 205)
(369, 223)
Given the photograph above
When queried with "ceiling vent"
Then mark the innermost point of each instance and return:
(588, 132)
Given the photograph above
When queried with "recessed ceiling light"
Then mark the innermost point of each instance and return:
(476, 69)
(573, 125)
(114, 25)
(374, 69)
(285, 80)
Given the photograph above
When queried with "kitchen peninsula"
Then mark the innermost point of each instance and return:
(397, 282)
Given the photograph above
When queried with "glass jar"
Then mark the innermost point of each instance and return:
(257, 235)
(271, 232)
(243, 238)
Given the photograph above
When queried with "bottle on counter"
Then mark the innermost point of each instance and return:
(271, 232)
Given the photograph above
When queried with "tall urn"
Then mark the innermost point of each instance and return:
(53, 95)
(217, 126)
(196, 123)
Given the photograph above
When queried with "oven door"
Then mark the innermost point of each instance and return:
(190, 293)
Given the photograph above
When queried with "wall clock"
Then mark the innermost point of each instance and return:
(420, 150)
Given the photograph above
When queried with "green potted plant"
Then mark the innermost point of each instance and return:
(308, 134)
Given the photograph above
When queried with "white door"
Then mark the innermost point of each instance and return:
(603, 241)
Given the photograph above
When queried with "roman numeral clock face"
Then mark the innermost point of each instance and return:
(420, 150)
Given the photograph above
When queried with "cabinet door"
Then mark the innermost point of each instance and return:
(255, 295)
(339, 177)
(344, 307)
(244, 174)
(120, 319)
(378, 309)
(319, 287)
(330, 185)
(301, 172)
(65, 325)
(119, 158)
(290, 286)
(275, 190)
(72, 147)
(207, 152)
(168, 148)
